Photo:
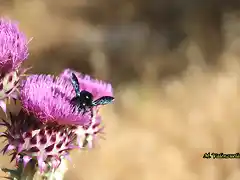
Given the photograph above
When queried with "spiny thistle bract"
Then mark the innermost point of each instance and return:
(47, 127)
(30, 139)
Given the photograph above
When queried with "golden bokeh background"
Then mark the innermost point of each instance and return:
(175, 68)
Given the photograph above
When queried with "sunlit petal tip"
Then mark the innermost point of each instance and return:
(3, 106)
(26, 159)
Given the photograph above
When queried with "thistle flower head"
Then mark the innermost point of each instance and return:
(13, 51)
(96, 87)
(13, 46)
(87, 134)
(29, 139)
(47, 98)
(48, 126)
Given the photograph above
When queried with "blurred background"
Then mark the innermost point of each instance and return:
(175, 69)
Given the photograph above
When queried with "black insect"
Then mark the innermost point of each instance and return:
(83, 100)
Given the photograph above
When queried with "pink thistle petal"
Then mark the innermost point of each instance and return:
(14, 46)
(97, 87)
(15, 95)
(26, 159)
(10, 148)
(18, 160)
(46, 97)
(55, 163)
(41, 165)
(3, 106)
(67, 156)
(19, 149)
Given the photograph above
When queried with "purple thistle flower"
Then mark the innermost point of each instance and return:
(86, 135)
(13, 46)
(98, 88)
(47, 98)
(29, 139)
(13, 51)
(48, 126)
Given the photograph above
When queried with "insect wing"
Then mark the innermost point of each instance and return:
(103, 100)
(75, 84)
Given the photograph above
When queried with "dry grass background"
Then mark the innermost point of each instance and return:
(157, 128)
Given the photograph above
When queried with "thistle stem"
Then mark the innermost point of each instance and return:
(29, 171)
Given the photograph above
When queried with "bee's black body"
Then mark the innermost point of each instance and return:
(83, 100)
